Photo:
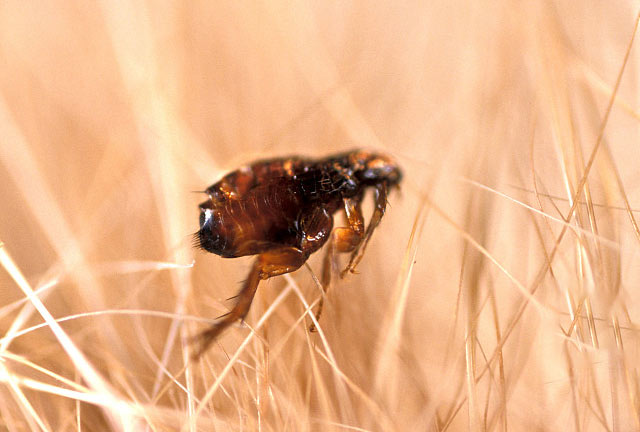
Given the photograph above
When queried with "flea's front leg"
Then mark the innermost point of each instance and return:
(380, 205)
(273, 263)
(343, 239)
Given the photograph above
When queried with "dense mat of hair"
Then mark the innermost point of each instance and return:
(497, 294)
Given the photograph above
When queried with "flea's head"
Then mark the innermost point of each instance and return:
(373, 168)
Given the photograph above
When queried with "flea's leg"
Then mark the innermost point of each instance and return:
(315, 229)
(344, 239)
(380, 197)
(273, 263)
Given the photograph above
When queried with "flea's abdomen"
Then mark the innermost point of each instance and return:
(249, 226)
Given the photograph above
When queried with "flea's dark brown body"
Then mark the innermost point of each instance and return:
(282, 210)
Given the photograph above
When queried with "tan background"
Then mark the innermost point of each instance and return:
(112, 113)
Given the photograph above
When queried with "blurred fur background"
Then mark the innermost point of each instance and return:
(499, 292)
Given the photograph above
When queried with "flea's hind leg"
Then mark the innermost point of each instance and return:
(344, 239)
(380, 197)
(273, 263)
